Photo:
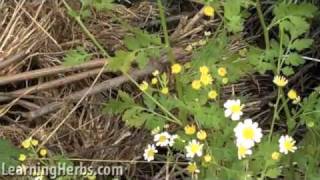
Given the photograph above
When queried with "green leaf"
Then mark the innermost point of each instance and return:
(76, 57)
(102, 5)
(287, 71)
(142, 59)
(133, 117)
(154, 122)
(232, 13)
(274, 172)
(294, 59)
(131, 43)
(117, 106)
(301, 44)
(9, 154)
(122, 61)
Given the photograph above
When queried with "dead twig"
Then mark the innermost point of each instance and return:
(12, 59)
(109, 84)
(58, 82)
(50, 71)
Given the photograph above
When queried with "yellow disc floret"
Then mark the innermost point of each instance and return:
(208, 11)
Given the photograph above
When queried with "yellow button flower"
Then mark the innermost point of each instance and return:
(43, 152)
(222, 71)
(201, 135)
(207, 158)
(190, 129)
(26, 143)
(212, 94)
(296, 100)
(206, 79)
(225, 80)
(154, 81)
(155, 73)
(280, 81)
(196, 84)
(34, 142)
(143, 86)
(22, 157)
(204, 70)
(192, 168)
(176, 68)
(292, 94)
(275, 156)
(164, 90)
(208, 11)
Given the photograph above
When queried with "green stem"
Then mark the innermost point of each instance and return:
(263, 23)
(86, 31)
(274, 114)
(157, 114)
(165, 31)
(177, 121)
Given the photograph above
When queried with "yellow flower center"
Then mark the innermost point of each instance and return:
(176, 68)
(201, 135)
(280, 81)
(154, 81)
(195, 148)
(143, 86)
(212, 94)
(236, 108)
(275, 156)
(288, 145)
(162, 138)
(190, 129)
(204, 70)
(196, 84)
(207, 158)
(292, 94)
(164, 90)
(192, 168)
(242, 151)
(206, 79)
(222, 71)
(248, 133)
(150, 153)
(208, 11)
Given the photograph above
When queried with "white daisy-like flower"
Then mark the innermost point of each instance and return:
(248, 133)
(243, 151)
(172, 139)
(162, 139)
(149, 152)
(233, 109)
(194, 148)
(287, 144)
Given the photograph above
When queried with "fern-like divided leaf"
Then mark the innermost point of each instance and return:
(9, 154)
(76, 57)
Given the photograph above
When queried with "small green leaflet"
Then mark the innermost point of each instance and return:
(9, 154)
(232, 14)
(301, 44)
(76, 57)
(144, 44)
(121, 61)
(99, 5)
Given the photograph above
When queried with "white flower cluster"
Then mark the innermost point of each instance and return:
(247, 132)
(162, 139)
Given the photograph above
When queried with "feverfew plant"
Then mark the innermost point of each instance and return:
(185, 113)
